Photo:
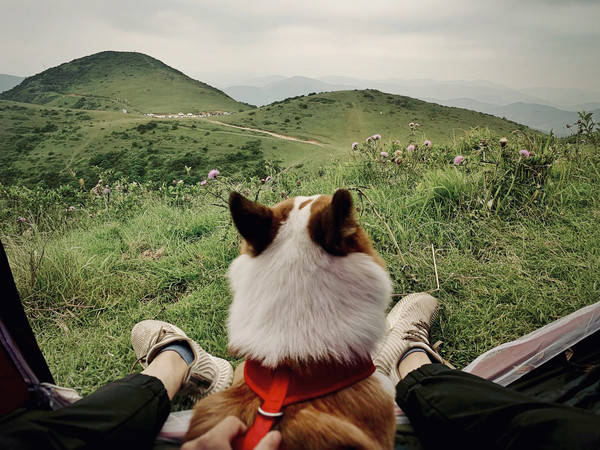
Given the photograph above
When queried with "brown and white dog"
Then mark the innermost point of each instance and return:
(308, 289)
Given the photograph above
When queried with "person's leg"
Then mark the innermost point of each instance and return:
(170, 368)
(129, 412)
(455, 409)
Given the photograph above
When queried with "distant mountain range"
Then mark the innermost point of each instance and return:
(541, 108)
(137, 82)
(9, 81)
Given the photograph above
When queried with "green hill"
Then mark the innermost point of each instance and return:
(59, 145)
(342, 117)
(55, 145)
(121, 80)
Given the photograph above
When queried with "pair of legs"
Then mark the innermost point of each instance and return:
(454, 409)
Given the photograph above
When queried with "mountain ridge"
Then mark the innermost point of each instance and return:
(112, 80)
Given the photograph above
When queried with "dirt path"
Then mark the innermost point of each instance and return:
(270, 133)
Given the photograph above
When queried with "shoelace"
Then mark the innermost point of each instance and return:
(420, 334)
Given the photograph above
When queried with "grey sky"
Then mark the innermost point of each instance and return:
(517, 43)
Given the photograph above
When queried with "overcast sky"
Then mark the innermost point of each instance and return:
(519, 43)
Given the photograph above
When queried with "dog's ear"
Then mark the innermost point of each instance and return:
(335, 224)
(253, 220)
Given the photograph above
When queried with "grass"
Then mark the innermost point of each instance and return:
(504, 270)
(340, 118)
(59, 146)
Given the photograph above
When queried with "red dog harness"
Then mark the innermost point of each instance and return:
(281, 387)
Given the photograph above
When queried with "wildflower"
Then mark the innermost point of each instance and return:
(503, 142)
(411, 125)
(417, 124)
(21, 219)
(354, 145)
(106, 191)
(583, 141)
(268, 179)
(214, 173)
(376, 137)
(410, 148)
(458, 159)
(427, 143)
(71, 209)
(203, 183)
(524, 153)
(262, 180)
(384, 154)
(369, 139)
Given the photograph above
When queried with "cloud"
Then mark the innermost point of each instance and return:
(513, 42)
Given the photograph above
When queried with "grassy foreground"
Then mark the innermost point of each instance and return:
(515, 240)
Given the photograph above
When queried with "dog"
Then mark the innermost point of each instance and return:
(309, 301)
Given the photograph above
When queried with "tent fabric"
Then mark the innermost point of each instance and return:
(509, 362)
(14, 320)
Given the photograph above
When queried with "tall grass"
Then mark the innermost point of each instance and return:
(504, 267)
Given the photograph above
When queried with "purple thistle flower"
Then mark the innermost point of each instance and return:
(106, 191)
(203, 183)
(427, 143)
(384, 154)
(458, 159)
(268, 178)
(376, 137)
(71, 208)
(354, 145)
(411, 125)
(524, 153)
(410, 148)
(369, 139)
(262, 180)
(214, 173)
(21, 219)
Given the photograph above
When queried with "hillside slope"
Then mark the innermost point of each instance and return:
(121, 80)
(51, 144)
(342, 117)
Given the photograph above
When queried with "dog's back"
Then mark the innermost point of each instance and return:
(308, 287)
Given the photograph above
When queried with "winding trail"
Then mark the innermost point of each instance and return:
(270, 133)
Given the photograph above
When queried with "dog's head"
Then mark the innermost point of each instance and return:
(308, 285)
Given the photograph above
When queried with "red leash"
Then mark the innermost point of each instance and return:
(282, 386)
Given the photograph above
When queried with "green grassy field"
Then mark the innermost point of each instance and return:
(59, 145)
(340, 118)
(515, 239)
(116, 80)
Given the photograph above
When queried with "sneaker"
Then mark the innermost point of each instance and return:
(408, 327)
(206, 374)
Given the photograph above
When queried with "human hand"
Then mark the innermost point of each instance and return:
(222, 435)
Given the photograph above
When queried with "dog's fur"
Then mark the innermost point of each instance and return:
(307, 287)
